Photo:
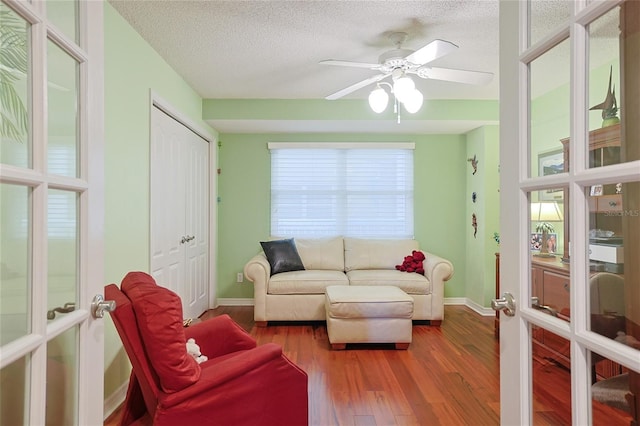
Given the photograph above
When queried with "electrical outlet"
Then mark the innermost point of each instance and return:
(239, 277)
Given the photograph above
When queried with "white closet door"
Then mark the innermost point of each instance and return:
(196, 297)
(167, 202)
(179, 236)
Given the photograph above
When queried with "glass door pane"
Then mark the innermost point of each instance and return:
(15, 45)
(62, 383)
(63, 124)
(14, 385)
(610, 392)
(551, 376)
(549, 113)
(62, 227)
(64, 15)
(15, 275)
(547, 15)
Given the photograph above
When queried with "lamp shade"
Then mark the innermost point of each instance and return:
(413, 102)
(546, 212)
(403, 87)
(378, 100)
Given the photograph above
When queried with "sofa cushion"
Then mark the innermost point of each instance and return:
(282, 256)
(305, 282)
(376, 254)
(410, 283)
(158, 313)
(350, 302)
(321, 253)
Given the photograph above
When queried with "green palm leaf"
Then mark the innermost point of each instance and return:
(14, 119)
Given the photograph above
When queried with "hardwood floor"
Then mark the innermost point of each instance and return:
(448, 376)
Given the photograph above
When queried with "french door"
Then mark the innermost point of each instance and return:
(569, 75)
(51, 212)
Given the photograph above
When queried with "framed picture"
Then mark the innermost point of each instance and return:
(535, 243)
(551, 163)
(596, 190)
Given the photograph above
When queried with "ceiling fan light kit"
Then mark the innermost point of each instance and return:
(399, 62)
(404, 92)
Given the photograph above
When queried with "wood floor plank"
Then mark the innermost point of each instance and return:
(449, 375)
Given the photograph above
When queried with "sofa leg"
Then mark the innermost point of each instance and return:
(261, 323)
(338, 346)
(402, 346)
(436, 323)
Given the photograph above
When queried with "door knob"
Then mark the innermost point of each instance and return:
(99, 306)
(506, 303)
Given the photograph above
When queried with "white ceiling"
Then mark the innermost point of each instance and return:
(271, 49)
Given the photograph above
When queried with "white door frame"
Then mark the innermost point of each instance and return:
(515, 338)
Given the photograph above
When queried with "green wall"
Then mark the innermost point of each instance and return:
(132, 70)
(244, 191)
(480, 249)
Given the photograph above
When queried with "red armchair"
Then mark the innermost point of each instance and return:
(240, 384)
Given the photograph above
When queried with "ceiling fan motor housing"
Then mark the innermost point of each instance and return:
(394, 59)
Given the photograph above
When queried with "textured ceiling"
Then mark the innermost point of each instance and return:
(271, 49)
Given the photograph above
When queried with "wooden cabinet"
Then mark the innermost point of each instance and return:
(604, 149)
(551, 285)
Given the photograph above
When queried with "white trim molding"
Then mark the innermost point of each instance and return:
(479, 309)
(113, 401)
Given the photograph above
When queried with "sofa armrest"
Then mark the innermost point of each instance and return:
(437, 270)
(258, 271)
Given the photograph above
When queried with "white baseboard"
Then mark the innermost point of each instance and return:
(113, 401)
(230, 301)
(455, 300)
(485, 312)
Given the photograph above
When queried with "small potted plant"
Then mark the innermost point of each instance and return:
(545, 228)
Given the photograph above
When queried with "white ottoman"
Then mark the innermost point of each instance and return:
(368, 314)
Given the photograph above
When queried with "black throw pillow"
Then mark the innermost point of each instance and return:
(282, 256)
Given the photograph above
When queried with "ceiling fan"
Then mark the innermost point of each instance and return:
(399, 62)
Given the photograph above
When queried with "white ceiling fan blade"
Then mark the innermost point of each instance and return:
(431, 52)
(354, 87)
(349, 64)
(458, 76)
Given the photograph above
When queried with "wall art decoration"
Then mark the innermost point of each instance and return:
(550, 163)
(474, 224)
(474, 197)
(474, 163)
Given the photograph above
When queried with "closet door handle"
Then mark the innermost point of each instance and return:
(187, 239)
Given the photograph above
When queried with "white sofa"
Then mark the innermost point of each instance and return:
(300, 295)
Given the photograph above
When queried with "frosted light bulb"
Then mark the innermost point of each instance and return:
(403, 87)
(378, 100)
(413, 102)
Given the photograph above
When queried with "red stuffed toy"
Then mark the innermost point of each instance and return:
(413, 263)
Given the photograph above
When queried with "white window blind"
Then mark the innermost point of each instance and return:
(355, 190)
